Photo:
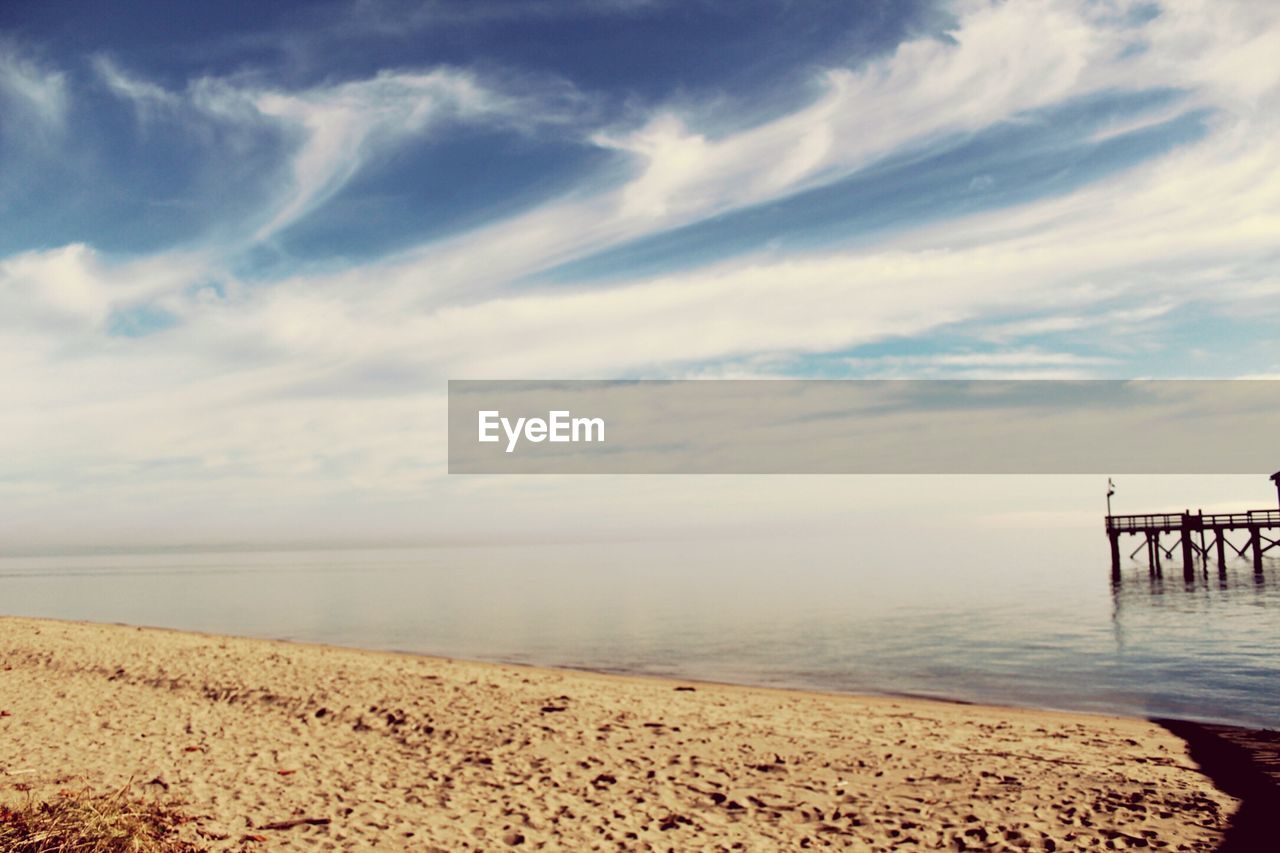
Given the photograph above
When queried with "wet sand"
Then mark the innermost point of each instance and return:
(273, 745)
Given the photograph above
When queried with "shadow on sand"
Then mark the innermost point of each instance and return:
(1244, 763)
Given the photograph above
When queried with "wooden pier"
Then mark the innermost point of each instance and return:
(1198, 534)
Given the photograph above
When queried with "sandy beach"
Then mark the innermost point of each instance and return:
(273, 745)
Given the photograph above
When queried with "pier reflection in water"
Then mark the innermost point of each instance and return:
(1220, 623)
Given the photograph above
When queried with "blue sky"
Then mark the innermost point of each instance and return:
(243, 247)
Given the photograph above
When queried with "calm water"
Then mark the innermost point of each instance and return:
(1015, 617)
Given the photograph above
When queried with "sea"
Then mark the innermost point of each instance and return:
(1033, 619)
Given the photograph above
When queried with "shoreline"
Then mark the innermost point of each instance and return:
(789, 688)
(470, 753)
(630, 676)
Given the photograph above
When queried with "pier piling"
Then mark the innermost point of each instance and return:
(1188, 559)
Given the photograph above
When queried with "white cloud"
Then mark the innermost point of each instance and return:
(1024, 363)
(1116, 321)
(149, 99)
(70, 291)
(28, 86)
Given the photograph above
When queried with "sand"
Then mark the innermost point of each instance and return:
(407, 752)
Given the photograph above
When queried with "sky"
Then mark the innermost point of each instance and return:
(243, 247)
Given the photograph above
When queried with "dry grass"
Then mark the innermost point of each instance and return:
(84, 822)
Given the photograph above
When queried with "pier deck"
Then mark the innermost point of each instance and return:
(1260, 525)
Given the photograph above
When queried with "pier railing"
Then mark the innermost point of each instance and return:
(1171, 521)
(1134, 523)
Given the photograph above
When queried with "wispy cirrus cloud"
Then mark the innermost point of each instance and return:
(336, 128)
(989, 69)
